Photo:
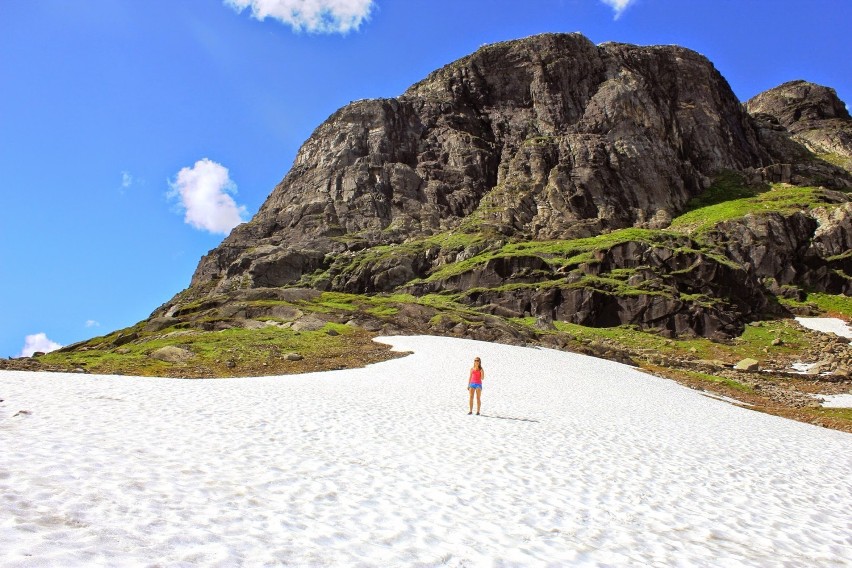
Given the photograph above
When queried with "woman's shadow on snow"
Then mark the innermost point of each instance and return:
(508, 418)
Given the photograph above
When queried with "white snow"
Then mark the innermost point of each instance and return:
(827, 325)
(836, 400)
(802, 368)
(576, 462)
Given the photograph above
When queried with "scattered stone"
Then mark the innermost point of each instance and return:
(254, 324)
(332, 333)
(125, 338)
(308, 323)
(293, 357)
(231, 363)
(172, 354)
(815, 369)
(159, 323)
(777, 342)
(713, 363)
(748, 365)
(22, 413)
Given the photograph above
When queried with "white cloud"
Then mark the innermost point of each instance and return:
(204, 191)
(38, 342)
(318, 16)
(126, 180)
(93, 323)
(618, 6)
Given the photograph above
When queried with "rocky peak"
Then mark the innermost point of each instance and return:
(811, 113)
(479, 181)
(797, 104)
(545, 137)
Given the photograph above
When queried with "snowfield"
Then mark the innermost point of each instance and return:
(576, 462)
(827, 325)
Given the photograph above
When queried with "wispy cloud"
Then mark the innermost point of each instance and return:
(316, 16)
(129, 180)
(93, 323)
(38, 342)
(618, 6)
(204, 193)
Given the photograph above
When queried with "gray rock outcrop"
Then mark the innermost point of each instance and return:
(813, 114)
(808, 132)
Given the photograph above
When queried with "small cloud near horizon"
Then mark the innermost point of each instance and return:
(38, 342)
(618, 6)
(93, 323)
(204, 193)
(313, 16)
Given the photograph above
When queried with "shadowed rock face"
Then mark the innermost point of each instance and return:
(555, 137)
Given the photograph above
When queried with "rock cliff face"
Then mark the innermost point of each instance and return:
(807, 131)
(812, 114)
(553, 138)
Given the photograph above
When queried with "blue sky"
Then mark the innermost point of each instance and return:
(134, 134)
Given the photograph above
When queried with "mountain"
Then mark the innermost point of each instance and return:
(611, 199)
(550, 139)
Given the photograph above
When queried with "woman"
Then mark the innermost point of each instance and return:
(474, 384)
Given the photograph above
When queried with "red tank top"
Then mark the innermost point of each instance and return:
(476, 376)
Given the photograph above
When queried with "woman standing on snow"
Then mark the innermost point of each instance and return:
(474, 384)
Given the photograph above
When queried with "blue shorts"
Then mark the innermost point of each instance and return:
(474, 386)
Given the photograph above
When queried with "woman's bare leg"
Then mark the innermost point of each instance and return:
(471, 398)
(478, 400)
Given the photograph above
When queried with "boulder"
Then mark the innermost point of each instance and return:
(124, 338)
(172, 354)
(748, 365)
(308, 323)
